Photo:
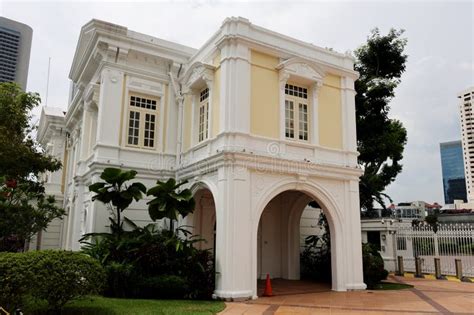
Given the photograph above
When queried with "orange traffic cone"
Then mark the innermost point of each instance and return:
(268, 287)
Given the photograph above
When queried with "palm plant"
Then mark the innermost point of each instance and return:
(169, 202)
(114, 192)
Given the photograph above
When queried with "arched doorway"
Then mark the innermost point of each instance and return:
(203, 219)
(279, 240)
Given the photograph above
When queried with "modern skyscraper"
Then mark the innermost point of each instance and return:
(15, 46)
(466, 106)
(452, 165)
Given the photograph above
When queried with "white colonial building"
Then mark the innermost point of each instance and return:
(259, 123)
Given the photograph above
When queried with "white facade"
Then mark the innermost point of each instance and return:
(466, 106)
(200, 106)
(52, 136)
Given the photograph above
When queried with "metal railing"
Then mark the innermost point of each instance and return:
(448, 242)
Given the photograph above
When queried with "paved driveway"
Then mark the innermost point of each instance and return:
(427, 297)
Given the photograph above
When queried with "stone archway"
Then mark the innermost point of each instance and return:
(203, 219)
(291, 198)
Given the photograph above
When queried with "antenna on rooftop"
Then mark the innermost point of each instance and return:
(47, 83)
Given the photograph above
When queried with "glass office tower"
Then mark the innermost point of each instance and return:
(452, 164)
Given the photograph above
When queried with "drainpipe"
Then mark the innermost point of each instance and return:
(180, 99)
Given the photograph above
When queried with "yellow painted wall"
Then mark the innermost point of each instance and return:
(215, 102)
(264, 95)
(330, 113)
(187, 122)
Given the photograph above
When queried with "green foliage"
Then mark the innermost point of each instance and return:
(432, 220)
(24, 211)
(374, 271)
(169, 202)
(146, 252)
(53, 276)
(15, 278)
(146, 262)
(24, 207)
(163, 286)
(381, 140)
(110, 306)
(20, 155)
(315, 260)
(115, 192)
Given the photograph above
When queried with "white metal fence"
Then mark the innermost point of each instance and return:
(448, 242)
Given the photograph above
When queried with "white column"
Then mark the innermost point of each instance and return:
(194, 117)
(284, 76)
(77, 218)
(210, 85)
(354, 279)
(234, 278)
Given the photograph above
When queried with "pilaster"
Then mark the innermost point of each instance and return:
(234, 278)
(235, 87)
(109, 117)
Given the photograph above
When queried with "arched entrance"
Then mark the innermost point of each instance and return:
(203, 219)
(282, 258)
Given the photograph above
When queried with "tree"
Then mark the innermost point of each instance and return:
(168, 202)
(381, 140)
(115, 192)
(24, 207)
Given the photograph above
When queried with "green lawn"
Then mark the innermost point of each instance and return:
(109, 306)
(392, 286)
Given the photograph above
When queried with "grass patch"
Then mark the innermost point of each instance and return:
(111, 306)
(392, 286)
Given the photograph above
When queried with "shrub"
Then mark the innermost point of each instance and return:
(15, 278)
(120, 279)
(54, 276)
(374, 271)
(316, 266)
(164, 286)
(140, 260)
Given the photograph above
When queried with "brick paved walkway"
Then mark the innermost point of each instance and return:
(298, 297)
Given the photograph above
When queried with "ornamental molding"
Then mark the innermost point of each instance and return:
(91, 96)
(197, 74)
(301, 68)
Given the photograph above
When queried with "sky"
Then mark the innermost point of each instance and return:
(440, 54)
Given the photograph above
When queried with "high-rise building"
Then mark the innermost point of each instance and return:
(15, 46)
(466, 104)
(452, 165)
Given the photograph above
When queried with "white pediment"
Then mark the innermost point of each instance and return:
(198, 72)
(301, 68)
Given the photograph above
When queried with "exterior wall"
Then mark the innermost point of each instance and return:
(264, 95)
(387, 229)
(52, 136)
(330, 113)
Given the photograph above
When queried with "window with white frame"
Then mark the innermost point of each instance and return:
(296, 112)
(142, 118)
(203, 133)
